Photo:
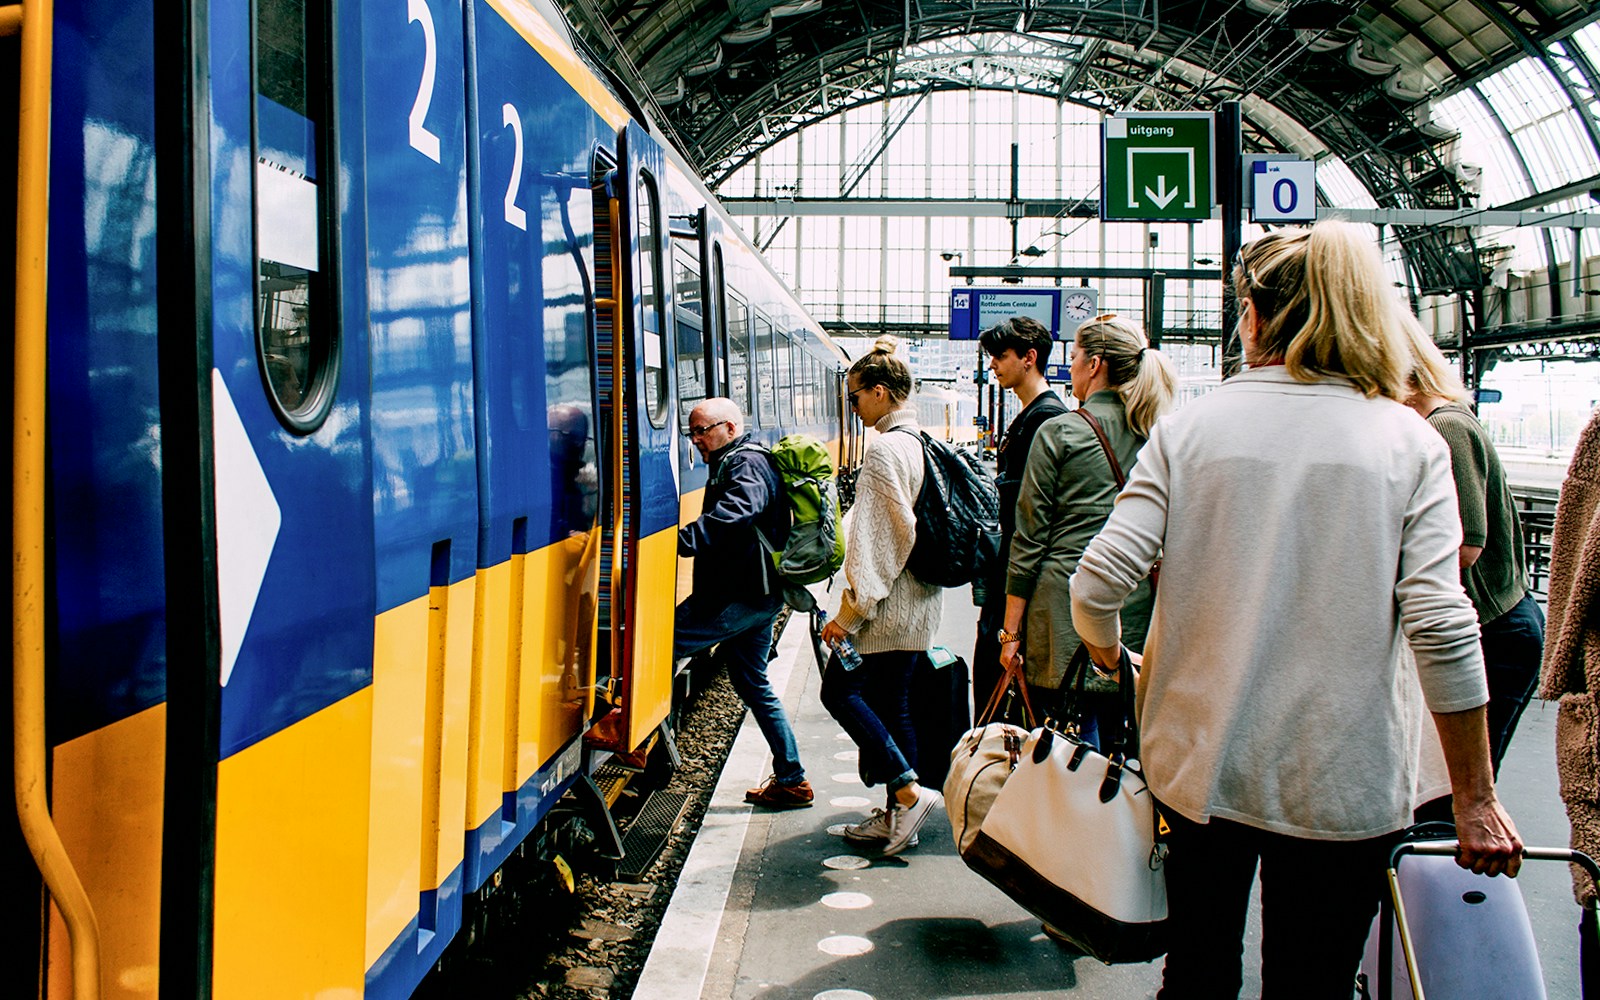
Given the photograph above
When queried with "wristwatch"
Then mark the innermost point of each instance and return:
(1006, 637)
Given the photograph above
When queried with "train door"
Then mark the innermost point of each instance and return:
(695, 363)
(424, 494)
(634, 351)
(283, 394)
(537, 545)
(89, 605)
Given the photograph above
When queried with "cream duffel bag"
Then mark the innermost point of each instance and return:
(1072, 837)
(982, 761)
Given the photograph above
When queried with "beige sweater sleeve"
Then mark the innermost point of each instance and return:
(883, 529)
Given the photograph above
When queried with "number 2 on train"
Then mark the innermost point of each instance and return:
(422, 140)
(514, 215)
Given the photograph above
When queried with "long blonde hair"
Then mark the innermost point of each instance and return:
(879, 366)
(1431, 374)
(1325, 308)
(1143, 376)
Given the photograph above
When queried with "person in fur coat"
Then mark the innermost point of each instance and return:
(1572, 654)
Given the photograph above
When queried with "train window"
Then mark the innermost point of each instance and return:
(785, 385)
(652, 303)
(802, 376)
(296, 321)
(766, 383)
(811, 389)
(721, 293)
(690, 320)
(739, 356)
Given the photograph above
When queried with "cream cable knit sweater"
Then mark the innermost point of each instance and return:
(883, 606)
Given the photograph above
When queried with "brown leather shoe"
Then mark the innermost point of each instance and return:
(775, 796)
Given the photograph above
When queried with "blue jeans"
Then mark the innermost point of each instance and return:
(1513, 645)
(743, 636)
(873, 704)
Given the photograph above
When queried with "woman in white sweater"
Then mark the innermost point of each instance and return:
(1307, 525)
(889, 614)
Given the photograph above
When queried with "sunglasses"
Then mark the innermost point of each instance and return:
(1249, 273)
(697, 432)
(851, 396)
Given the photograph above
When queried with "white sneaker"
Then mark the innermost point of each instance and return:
(873, 830)
(905, 821)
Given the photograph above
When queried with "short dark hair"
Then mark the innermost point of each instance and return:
(1020, 334)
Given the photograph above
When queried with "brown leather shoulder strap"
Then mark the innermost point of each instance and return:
(1100, 432)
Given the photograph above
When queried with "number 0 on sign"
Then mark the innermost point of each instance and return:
(1284, 190)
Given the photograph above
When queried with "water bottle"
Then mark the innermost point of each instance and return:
(842, 647)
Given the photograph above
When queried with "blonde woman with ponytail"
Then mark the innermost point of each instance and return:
(889, 615)
(1067, 493)
(1307, 528)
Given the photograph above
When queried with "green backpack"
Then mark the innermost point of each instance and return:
(816, 543)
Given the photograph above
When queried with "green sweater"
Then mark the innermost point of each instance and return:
(1498, 580)
(1067, 493)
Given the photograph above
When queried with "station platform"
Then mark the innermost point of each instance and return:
(778, 906)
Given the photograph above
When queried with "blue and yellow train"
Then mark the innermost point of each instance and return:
(354, 345)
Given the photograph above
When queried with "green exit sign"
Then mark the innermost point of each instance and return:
(1156, 166)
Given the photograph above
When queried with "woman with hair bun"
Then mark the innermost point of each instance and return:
(1307, 528)
(890, 615)
(1067, 493)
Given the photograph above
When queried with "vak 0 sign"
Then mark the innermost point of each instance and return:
(1156, 166)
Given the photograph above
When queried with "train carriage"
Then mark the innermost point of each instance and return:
(349, 464)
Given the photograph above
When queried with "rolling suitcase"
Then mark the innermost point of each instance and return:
(939, 712)
(1447, 934)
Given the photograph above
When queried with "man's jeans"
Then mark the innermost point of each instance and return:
(1513, 645)
(745, 636)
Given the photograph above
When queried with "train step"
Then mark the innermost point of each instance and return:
(647, 833)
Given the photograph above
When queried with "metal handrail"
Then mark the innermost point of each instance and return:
(29, 754)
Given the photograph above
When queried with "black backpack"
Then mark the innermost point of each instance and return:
(958, 517)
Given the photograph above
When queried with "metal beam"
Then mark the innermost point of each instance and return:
(1089, 208)
(1136, 273)
(1083, 208)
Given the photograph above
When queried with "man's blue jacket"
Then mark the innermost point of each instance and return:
(743, 495)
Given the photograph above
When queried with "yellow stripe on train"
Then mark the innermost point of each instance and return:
(528, 681)
(421, 675)
(651, 685)
(115, 844)
(291, 862)
(544, 39)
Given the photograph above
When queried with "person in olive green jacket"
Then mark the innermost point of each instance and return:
(1067, 494)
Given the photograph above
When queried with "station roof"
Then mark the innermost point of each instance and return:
(730, 77)
(1354, 80)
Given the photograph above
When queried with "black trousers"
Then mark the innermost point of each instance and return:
(986, 672)
(1318, 898)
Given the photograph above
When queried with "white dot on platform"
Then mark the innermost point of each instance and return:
(842, 737)
(844, 944)
(847, 779)
(849, 802)
(847, 900)
(847, 755)
(843, 995)
(845, 862)
(837, 829)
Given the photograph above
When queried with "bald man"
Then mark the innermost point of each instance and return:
(737, 592)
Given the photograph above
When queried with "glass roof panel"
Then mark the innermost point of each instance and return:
(1542, 122)
(1340, 186)
(1482, 142)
